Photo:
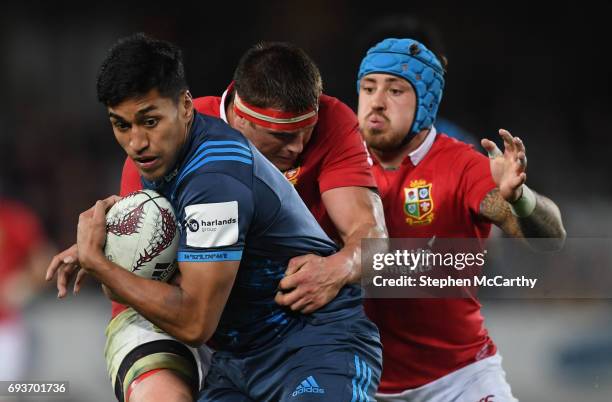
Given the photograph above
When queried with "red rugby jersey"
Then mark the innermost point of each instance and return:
(432, 337)
(334, 157)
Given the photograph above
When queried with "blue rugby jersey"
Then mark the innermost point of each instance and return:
(234, 205)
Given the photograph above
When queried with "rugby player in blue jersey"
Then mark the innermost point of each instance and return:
(230, 274)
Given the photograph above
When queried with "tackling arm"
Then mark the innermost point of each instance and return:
(357, 213)
(312, 281)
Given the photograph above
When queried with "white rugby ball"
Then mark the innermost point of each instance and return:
(142, 235)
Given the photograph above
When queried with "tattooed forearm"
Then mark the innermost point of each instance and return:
(543, 223)
(497, 210)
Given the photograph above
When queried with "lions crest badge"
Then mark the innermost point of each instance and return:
(418, 203)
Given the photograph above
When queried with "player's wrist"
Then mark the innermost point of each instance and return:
(346, 269)
(525, 204)
(92, 260)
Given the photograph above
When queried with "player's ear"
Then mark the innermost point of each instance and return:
(240, 122)
(186, 105)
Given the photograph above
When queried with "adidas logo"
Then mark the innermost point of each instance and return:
(161, 270)
(308, 386)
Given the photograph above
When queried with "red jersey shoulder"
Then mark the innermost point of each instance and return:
(453, 150)
(461, 158)
(334, 117)
(337, 147)
(447, 146)
(209, 105)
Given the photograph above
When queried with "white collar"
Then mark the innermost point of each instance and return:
(418, 154)
(222, 113)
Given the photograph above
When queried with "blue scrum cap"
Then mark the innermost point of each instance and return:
(411, 60)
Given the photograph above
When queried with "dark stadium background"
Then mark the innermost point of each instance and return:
(542, 72)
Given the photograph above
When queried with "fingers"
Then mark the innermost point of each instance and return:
(303, 302)
(508, 140)
(300, 305)
(296, 300)
(55, 264)
(296, 263)
(63, 265)
(293, 275)
(78, 281)
(99, 214)
(492, 149)
(521, 153)
(296, 284)
(520, 180)
(518, 144)
(513, 186)
(521, 160)
(67, 256)
(64, 275)
(290, 281)
(107, 203)
(112, 200)
(290, 298)
(293, 292)
(515, 146)
(103, 205)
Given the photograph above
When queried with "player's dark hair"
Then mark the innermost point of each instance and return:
(137, 64)
(278, 75)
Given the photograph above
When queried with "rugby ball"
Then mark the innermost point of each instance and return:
(142, 235)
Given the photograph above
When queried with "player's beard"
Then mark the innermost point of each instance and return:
(382, 140)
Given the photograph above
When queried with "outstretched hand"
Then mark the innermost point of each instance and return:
(508, 167)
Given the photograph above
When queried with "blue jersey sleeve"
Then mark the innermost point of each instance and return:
(216, 211)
